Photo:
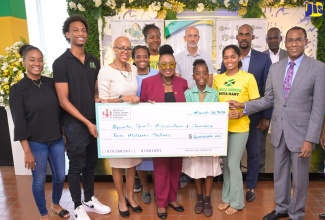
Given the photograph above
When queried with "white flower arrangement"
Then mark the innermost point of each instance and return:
(111, 4)
(155, 6)
(200, 7)
(80, 7)
(168, 5)
(73, 5)
(226, 3)
(123, 7)
(97, 3)
(164, 8)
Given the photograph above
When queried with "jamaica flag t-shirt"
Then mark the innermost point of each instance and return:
(240, 87)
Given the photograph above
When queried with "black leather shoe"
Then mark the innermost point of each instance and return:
(124, 214)
(178, 208)
(136, 209)
(162, 215)
(274, 215)
(322, 215)
(250, 196)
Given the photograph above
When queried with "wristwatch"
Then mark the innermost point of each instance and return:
(120, 98)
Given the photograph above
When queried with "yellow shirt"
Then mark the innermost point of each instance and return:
(240, 87)
(154, 61)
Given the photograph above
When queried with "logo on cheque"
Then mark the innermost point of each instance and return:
(314, 9)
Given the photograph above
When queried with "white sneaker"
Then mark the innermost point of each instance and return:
(94, 205)
(80, 214)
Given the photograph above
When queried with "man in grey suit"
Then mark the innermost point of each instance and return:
(295, 88)
(273, 40)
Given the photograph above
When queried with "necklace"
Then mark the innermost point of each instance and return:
(37, 84)
(166, 83)
(127, 78)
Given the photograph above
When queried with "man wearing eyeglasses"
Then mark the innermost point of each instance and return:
(185, 59)
(258, 64)
(295, 88)
(273, 40)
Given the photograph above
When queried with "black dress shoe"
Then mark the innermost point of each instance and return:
(162, 215)
(136, 209)
(274, 215)
(124, 214)
(250, 196)
(178, 208)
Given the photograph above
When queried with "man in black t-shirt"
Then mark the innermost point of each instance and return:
(75, 75)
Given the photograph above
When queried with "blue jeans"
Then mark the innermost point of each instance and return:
(52, 152)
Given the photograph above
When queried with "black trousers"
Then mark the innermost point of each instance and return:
(83, 155)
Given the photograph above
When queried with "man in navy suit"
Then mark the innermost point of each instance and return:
(258, 64)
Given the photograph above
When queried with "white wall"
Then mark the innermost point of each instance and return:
(45, 20)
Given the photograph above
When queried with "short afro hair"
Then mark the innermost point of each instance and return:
(69, 20)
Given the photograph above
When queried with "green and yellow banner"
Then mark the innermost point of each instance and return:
(13, 23)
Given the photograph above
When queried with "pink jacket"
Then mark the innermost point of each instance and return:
(152, 89)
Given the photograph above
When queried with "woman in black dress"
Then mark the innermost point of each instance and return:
(36, 114)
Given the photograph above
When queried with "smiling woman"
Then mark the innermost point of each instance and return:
(34, 106)
(165, 87)
(117, 83)
(235, 79)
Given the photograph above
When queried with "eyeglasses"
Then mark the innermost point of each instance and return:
(170, 65)
(299, 41)
(124, 49)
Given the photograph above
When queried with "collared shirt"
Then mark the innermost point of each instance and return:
(185, 61)
(275, 57)
(192, 95)
(295, 68)
(245, 61)
(81, 79)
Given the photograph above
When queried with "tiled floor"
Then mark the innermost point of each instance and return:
(17, 203)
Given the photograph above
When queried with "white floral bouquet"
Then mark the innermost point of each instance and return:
(11, 71)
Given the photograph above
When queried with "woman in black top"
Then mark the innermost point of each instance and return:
(36, 115)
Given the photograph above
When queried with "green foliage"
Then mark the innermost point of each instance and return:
(319, 23)
(92, 45)
(171, 15)
(253, 11)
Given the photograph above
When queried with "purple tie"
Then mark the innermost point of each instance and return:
(288, 79)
